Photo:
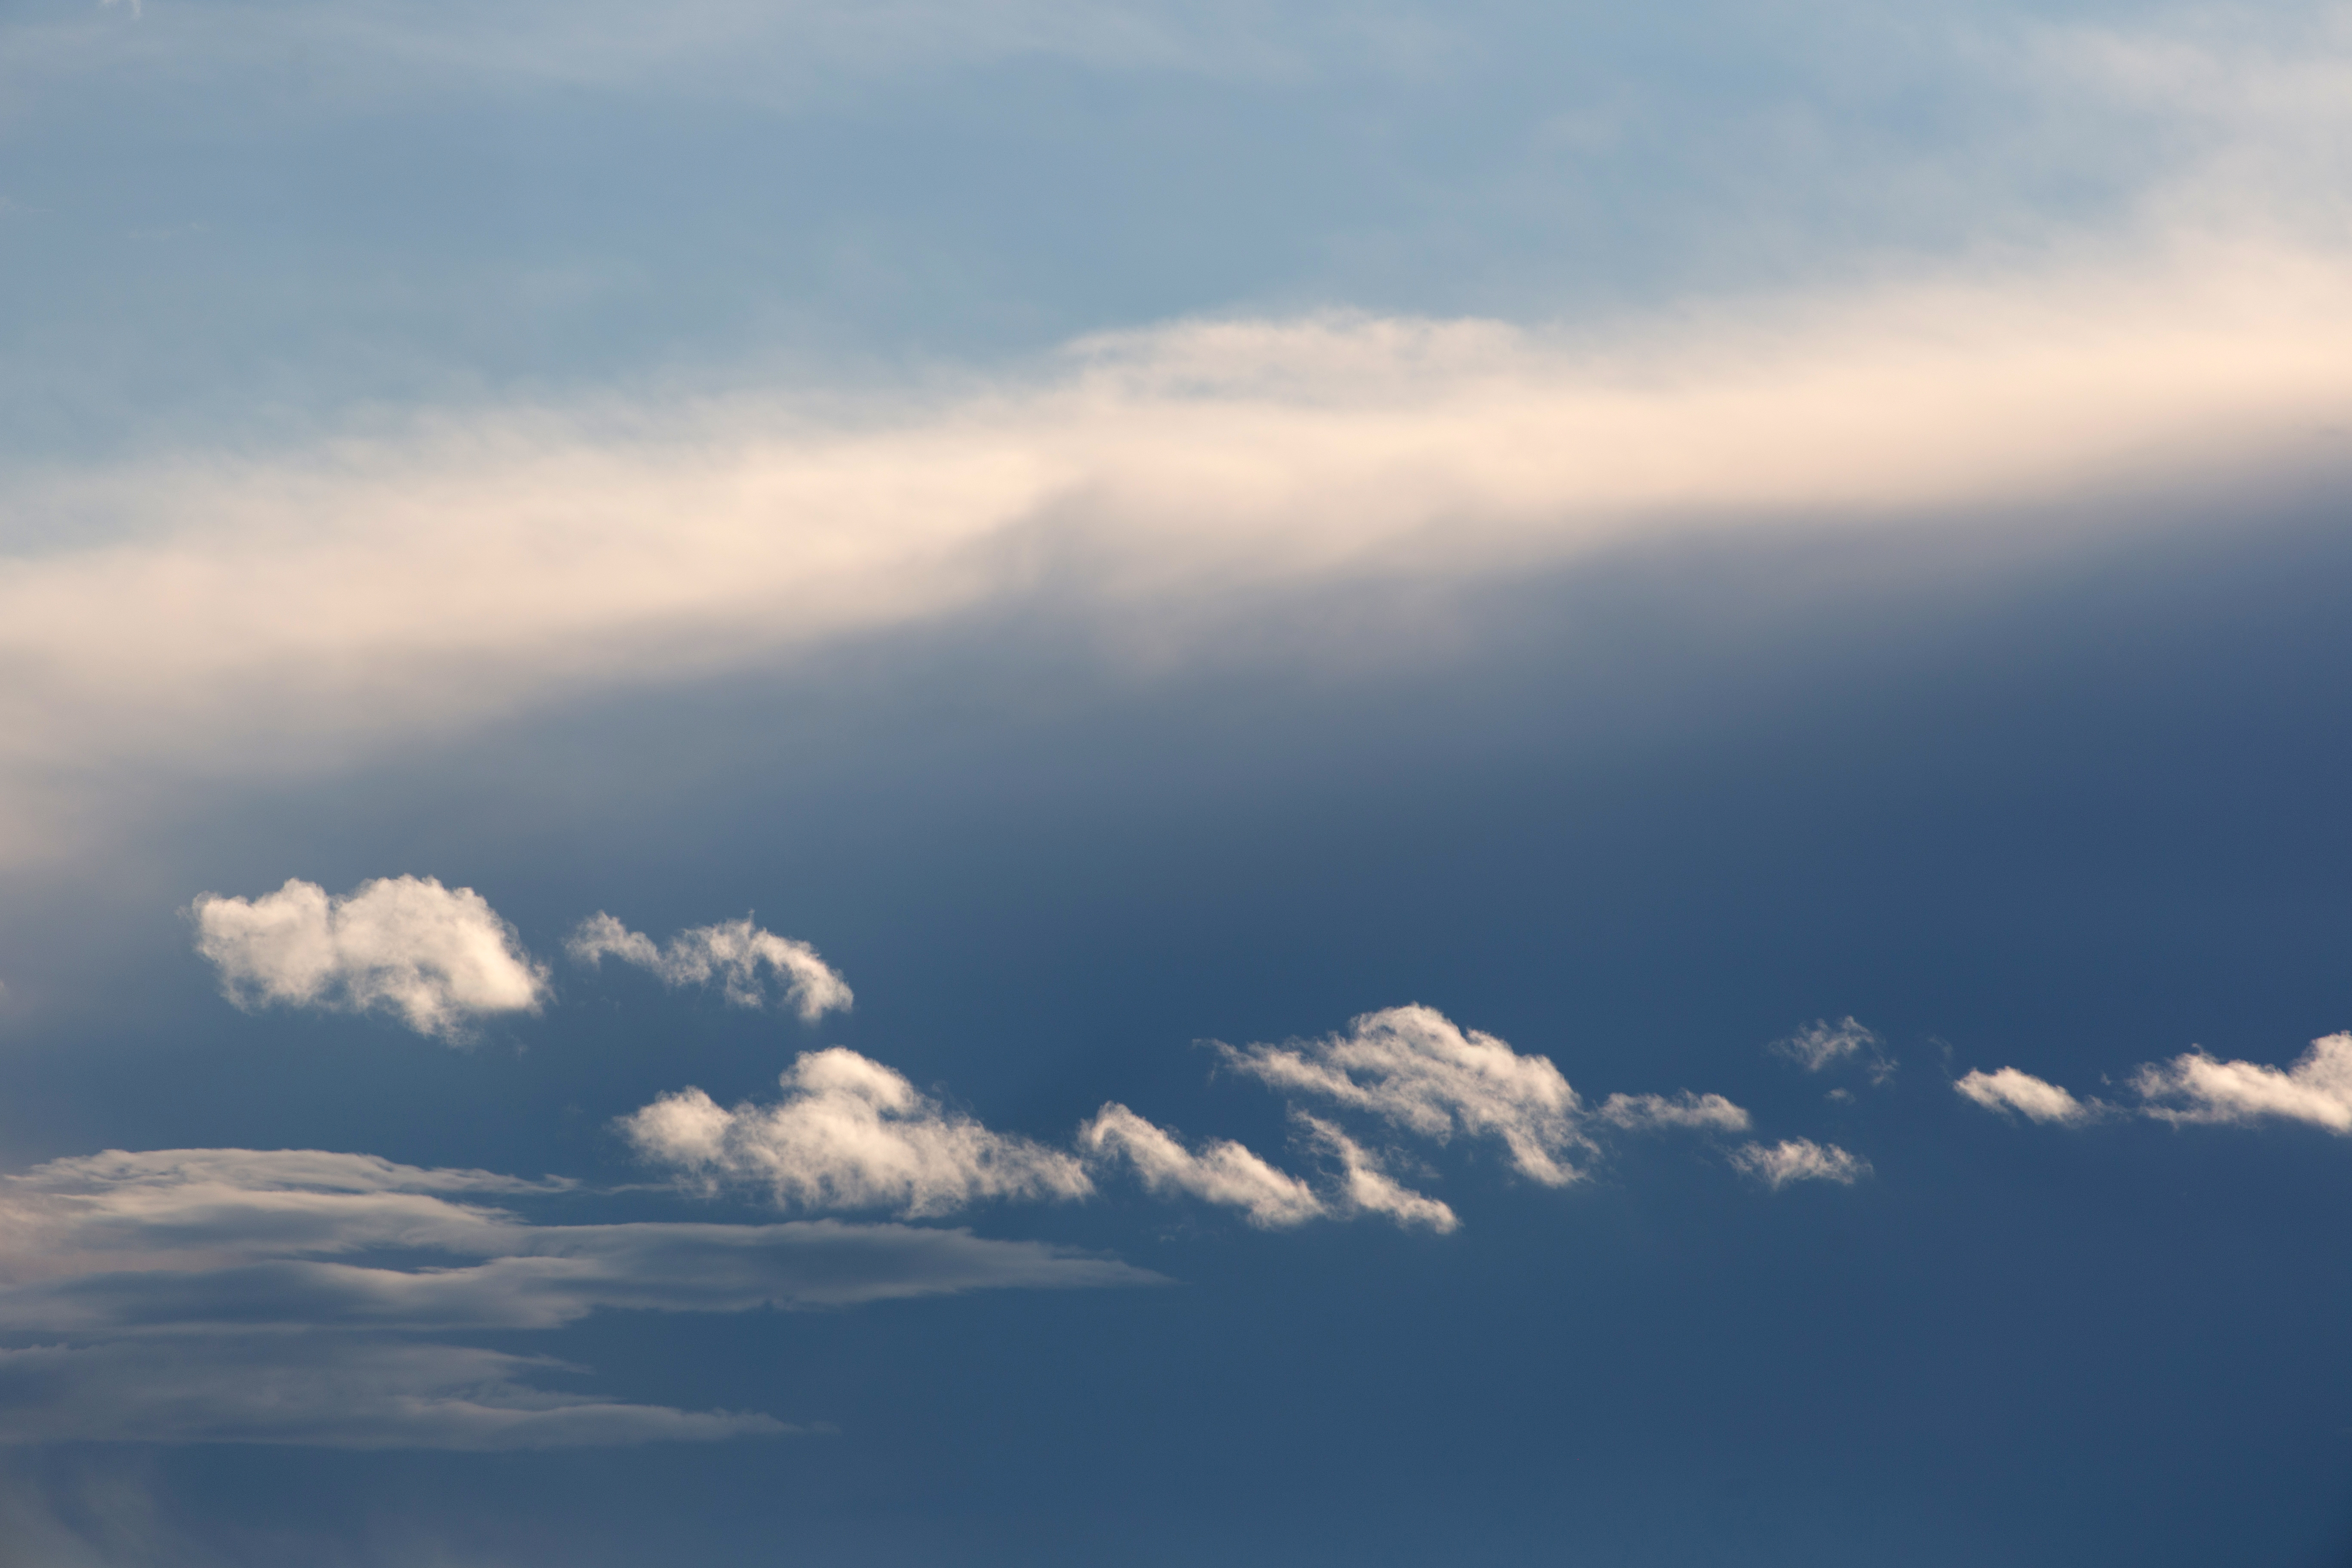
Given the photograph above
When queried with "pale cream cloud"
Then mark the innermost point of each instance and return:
(2195, 1086)
(850, 1133)
(1218, 1172)
(2037, 1100)
(240, 615)
(1799, 1160)
(439, 958)
(737, 954)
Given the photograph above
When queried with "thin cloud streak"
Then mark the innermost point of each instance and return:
(254, 1295)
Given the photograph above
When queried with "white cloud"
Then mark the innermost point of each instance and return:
(1413, 1067)
(439, 959)
(850, 1133)
(1821, 1044)
(1219, 1171)
(258, 614)
(1799, 1160)
(2194, 1087)
(248, 1296)
(1637, 1113)
(2029, 1097)
(733, 953)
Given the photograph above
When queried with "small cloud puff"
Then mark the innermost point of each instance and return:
(850, 1133)
(438, 958)
(1821, 1044)
(2020, 1093)
(733, 953)
(1799, 1160)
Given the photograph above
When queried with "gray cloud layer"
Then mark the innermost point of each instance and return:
(247, 1296)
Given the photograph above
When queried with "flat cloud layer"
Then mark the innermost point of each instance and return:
(244, 1296)
(438, 958)
(294, 611)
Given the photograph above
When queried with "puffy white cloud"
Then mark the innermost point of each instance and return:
(2029, 1097)
(2195, 1086)
(250, 1296)
(1637, 1113)
(440, 959)
(1413, 1067)
(1799, 1160)
(1821, 1044)
(1219, 1171)
(735, 954)
(851, 1133)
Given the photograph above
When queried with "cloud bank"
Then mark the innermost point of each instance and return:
(297, 611)
(438, 958)
(737, 954)
(281, 1296)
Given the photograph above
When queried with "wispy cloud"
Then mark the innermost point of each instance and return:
(2037, 1100)
(851, 1133)
(248, 1296)
(1416, 1069)
(1799, 1160)
(1821, 1045)
(1218, 1172)
(1421, 1073)
(439, 959)
(737, 954)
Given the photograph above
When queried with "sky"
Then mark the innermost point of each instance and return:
(1050, 783)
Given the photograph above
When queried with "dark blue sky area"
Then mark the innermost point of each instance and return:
(2071, 812)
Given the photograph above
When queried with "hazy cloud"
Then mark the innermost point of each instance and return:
(250, 1296)
(2029, 1097)
(850, 1133)
(737, 954)
(1636, 1112)
(439, 959)
(318, 599)
(1821, 1044)
(1799, 1160)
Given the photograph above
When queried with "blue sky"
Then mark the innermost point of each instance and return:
(1065, 784)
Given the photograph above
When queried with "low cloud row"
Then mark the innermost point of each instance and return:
(441, 959)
